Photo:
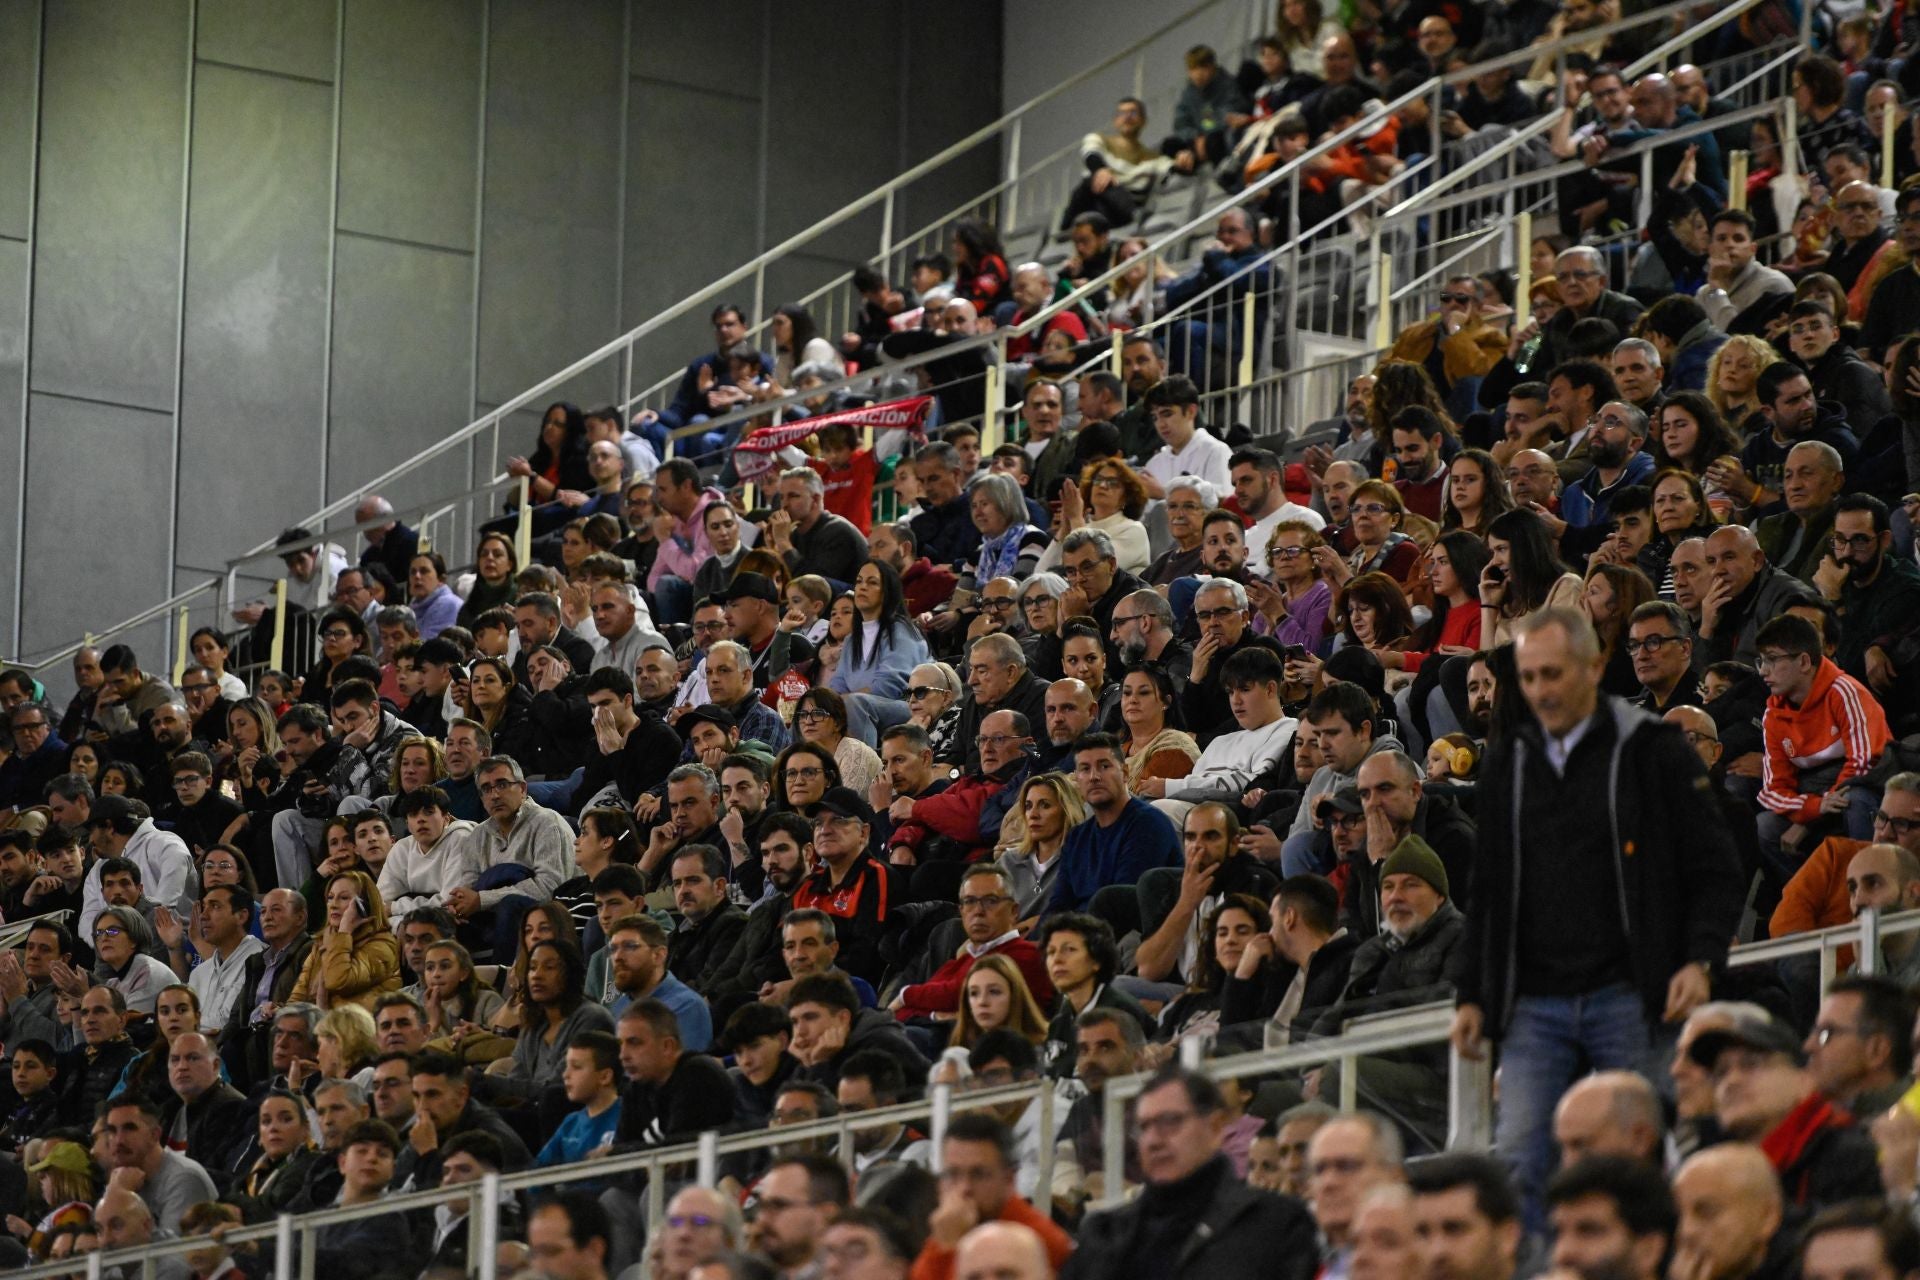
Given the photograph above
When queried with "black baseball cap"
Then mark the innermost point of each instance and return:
(748, 586)
(845, 802)
(1765, 1034)
(708, 713)
(1345, 800)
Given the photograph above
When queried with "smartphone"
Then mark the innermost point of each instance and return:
(1496, 574)
(1293, 652)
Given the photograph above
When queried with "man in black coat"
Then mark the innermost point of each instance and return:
(709, 924)
(1193, 1216)
(212, 1114)
(997, 680)
(1269, 993)
(1588, 802)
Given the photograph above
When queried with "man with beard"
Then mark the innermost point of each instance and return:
(1878, 595)
(1612, 1217)
(1070, 710)
(1352, 428)
(637, 959)
(1421, 472)
(1335, 486)
(1256, 485)
(1467, 1216)
(786, 847)
(1788, 414)
(1189, 498)
(1143, 633)
(1533, 479)
(1481, 685)
(1619, 432)
(1144, 366)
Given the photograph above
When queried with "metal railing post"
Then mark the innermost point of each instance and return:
(1044, 1183)
(1113, 1146)
(886, 235)
(1013, 172)
(309, 1245)
(656, 1195)
(938, 1121)
(1469, 1098)
(1867, 957)
(707, 1167)
(488, 1212)
(283, 1245)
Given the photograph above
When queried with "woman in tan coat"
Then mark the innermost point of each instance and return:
(356, 958)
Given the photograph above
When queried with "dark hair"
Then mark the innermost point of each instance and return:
(1673, 317)
(977, 1126)
(881, 1072)
(611, 680)
(1868, 503)
(1345, 699)
(1100, 742)
(1533, 565)
(1716, 439)
(1175, 391)
(1252, 665)
(1587, 375)
(1004, 1043)
(1315, 898)
(1095, 932)
(753, 1021)
(1468, 555)
(893, 617)
(827, 1180)
(1384, 596)
(573, 444)
(1899, 1238)
(120, 867)
(979, 239)
(373, 1131)
(1775, 376)
(573, 966)
(830, 989)
(1493, 1193)
(1590, 337)
(801, 322)
(1639, 1193)
(478, 1143)
(1738, 216)
(1826, 82)
(1795, 635)
(587, 1219)
(1886, 1009)
(1202, 1093)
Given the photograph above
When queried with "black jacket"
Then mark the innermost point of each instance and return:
(1028, 696)
(871, 1029)
(1390, 974)
(1679, 884)
(245, 1048)
(418, 1173)
(1850, 382)
(698, 1096)
(1207, 1224)
(754, 960)
(1247, 1004)
(276, 1188)
(698, 955)
(88, 1075)
(219, 1122)
(1440, 822)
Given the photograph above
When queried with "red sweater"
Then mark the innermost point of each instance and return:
(1462, 627)
(941, 993)
(850, 491)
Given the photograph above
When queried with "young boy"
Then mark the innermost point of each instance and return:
(35, 1065)
(591, 1078)
(848, 472)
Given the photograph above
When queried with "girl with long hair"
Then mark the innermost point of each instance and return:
(1523, 573)
(1232, 925)
(559, 460)
(1032, 836)
(1690, 435)
(356, 957)
(1611, 594)
(980, 273)
(494, 564)
(1476, 492)
(797, 341)
(994, 996)
(881, 651)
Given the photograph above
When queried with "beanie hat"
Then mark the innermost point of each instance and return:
(1414, 856)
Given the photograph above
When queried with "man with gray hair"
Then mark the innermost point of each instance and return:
(1582, 276)
(943, 529)
(391, 544)
(807, 536)
(997, 680)
(1797, 540)
(1588, 800)
(1095, 581)
(1637, 373)
(1142, 631)
(1032, 289)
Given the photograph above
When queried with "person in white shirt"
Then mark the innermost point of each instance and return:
(425, 863)
(1263, 498)
(1189, 449)
(166, 867)
(219, 936)
(1228, 765)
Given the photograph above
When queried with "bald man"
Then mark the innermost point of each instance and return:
(1742, 594)
(123, 1221)
(1730, 1211)
(1609, 1113)
(1532, 478)
(1001, 1251)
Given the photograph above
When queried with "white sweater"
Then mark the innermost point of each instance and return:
(416, 878)
(1232, 761)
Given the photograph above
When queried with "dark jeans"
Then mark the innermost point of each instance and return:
(1116, 204)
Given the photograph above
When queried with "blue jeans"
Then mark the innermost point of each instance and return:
(868, 716)
(1299, 857)
(1551, 1042)
(556, 793)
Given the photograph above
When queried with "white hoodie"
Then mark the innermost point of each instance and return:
(166, 875)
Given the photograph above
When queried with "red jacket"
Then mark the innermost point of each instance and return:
(954, 813)
(927, 584)
(941, 993)
(849, 493)
(1839, 721)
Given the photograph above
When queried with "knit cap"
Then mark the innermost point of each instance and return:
(1416, 857)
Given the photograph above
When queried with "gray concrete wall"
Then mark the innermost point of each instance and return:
(252, 255)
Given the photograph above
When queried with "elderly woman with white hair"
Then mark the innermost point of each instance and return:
(1010, 547)
(934, 692)
(1189, 498)
(1040, 598)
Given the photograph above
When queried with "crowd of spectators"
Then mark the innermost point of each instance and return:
(1567, 656)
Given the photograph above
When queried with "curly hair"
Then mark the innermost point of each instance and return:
(1133, 491)
(1398, 385)
(1760, 349)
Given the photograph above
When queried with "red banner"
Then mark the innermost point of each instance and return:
(753, 457)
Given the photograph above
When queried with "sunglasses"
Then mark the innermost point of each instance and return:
(1462, 298)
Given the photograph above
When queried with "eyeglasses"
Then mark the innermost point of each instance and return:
(1855, 541)
(1162, 1124)
(28, 726)
(1653, 644)
(1695, 738)
(1036, 602)
(1119, 621)
(1911, 215)
(1773, 659)
(801, 775)
(985, 903)
(188, 779)
(495, 787)
(1213, 615)
(709, 627)
(1857, 206)
(998, 604)
(1286, 553)
(1899, 826)
(110, 931)
(1072, 572)
(681, 1221)
(811, 715)
(194, 688)
(997, 740)
(336, 633)
(1370, 509)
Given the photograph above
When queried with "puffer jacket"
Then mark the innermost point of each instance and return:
(360, 969)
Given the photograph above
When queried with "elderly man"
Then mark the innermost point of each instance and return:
(966, 815)
(1349, 1158)
(988, 917)
(1789, 406)
(1538, 861)
(212, 1114)
(1609, 1113)
(944, 528)
(1220, 610)
(1799, 539)
(926, 582)
(1764, 1094)
(1860, 1051)
(1660, 643)
(848, 884)
(1032, 289)
(1731, 1212)
(1226, 1229)
(522, 851)
(997, 680)
(1582, 276)
(1533, 478)
(1744, 592)
(1189, 498)
(1637, 373)
(1468, 346)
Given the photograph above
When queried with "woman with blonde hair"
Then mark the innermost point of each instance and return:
(1033, 834)
(996, 995)
(356, 957)
(1732, 375)
(419, 762)
(347, 1041)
